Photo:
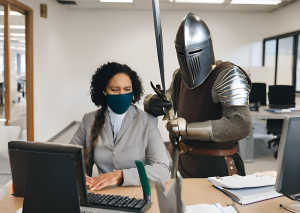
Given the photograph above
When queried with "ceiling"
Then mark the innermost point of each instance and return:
(167, 5)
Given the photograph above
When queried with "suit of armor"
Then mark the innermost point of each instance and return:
(210, 99)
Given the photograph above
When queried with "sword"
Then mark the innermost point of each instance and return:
(159, 42)
(159, 47)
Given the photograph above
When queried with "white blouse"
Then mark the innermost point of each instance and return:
(115, 121)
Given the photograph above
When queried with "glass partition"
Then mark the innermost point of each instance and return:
(18, 72)
(2, 98)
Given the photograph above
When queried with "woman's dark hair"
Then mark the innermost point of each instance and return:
(99, 82)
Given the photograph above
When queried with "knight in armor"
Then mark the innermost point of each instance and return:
(211, 101)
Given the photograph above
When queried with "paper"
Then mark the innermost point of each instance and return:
(237, 182)
(205, 208)
(229, 209)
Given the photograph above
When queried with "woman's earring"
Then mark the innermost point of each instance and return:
(104, 93)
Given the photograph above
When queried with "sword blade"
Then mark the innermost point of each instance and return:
(159, 42)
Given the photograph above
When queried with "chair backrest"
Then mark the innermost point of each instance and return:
(274, 126)
(7, 133)
(281, 96)
(258, 93)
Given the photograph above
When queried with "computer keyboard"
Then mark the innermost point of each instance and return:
(117, 202)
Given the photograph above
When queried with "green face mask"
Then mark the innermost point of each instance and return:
(120, 103)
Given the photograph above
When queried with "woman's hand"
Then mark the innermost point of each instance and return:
(107, 179)
(89, 180)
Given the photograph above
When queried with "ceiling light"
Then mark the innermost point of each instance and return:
(118, 1)
(17, 34)
(13, 39)
(17, 27)
(14, 34)
(14, 26)
(12, 13)
(269, 2)
(200, 1)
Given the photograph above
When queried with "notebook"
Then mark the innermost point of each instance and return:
(251, 195)
(247, 189)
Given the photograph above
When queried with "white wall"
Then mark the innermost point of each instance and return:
(285, 20)
(52, 63)
(72, 43)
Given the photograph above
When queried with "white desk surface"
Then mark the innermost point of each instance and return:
(262, 114)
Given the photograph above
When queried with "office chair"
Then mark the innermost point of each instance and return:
(257, 96)
(280, 97)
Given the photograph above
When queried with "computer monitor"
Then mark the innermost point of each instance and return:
(288, 177)
(41, 170)
(51, 178)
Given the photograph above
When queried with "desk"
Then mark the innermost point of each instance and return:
(194, 191)
(246, 146)
(262, 114)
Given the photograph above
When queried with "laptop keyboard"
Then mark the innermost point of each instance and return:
(117, 202)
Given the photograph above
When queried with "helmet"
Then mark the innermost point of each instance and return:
(194, 48)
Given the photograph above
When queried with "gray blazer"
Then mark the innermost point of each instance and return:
(138, 139)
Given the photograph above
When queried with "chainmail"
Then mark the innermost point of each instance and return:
(235, 124)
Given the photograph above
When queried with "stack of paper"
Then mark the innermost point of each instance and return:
(247, 189)
(237, 182)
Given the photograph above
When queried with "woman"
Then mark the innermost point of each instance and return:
(119, 133)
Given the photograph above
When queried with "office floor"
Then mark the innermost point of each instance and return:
(4, 171)
(263, 157)
(18, 117)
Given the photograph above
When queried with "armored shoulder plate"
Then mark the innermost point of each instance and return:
(233, 89)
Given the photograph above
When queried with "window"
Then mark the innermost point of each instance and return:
(285, 61)
(270, 61)
(281, 54)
